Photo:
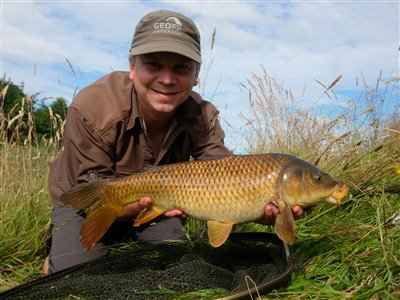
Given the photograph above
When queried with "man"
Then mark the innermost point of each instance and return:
(129, 121)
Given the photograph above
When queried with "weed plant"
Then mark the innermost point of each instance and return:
(350, 251)
(340, 252)
(24, 201)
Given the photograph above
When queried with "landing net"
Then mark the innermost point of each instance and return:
(248, 263)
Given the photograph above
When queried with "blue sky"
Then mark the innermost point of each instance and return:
(298, 42)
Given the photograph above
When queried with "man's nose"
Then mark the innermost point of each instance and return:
(167, 76)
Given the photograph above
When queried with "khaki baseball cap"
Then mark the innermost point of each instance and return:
(168, 31)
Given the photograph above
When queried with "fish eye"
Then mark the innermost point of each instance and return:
(317, 177)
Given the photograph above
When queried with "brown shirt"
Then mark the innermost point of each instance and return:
(105, 135)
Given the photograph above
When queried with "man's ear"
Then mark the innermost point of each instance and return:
(197, 74)
(132, 61)
(131, 70)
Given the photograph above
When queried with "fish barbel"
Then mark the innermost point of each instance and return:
(224, 191)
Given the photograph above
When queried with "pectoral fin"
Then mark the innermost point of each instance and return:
(218, 232)
(284, 225)
(148, 214)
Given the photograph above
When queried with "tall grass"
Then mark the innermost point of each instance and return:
(345, 252)
(360, 141)
(25, 204)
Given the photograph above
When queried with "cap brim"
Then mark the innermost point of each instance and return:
(162, 46)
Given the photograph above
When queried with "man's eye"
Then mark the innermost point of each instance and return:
(182, 68)
(153, 64)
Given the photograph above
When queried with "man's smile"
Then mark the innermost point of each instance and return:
(166, 93)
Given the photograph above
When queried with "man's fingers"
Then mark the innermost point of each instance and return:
(270, 213)
(272, 210)
(144, 202)
(175, 213)
(297, 212)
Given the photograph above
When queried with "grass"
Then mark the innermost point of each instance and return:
(353, 255)
(25, 205)
(340, 252)
(345, 252)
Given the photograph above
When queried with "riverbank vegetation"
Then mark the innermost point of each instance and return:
(350, 251)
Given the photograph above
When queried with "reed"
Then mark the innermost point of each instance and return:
(25, 204)
(345, 252)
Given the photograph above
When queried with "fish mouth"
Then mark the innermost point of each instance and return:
(337, 195)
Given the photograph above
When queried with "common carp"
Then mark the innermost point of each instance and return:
(223, 191)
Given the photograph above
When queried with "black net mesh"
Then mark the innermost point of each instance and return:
(247, 263)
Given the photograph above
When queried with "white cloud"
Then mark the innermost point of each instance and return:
(297, 42)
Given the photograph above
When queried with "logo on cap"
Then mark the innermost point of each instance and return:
(174, 20)
(171, 25)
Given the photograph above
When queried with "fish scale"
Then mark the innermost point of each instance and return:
(223, 191)
(240, 181)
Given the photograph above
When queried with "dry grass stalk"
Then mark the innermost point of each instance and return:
(351, 145)
(25, 204)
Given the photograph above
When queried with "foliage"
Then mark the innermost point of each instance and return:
(25, 205)
(347, 252)
(11, 101)
(359, 141)
(344, 252)
(24, 117)
(45, 116)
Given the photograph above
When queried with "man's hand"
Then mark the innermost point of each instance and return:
(271, 211)
(132, 210)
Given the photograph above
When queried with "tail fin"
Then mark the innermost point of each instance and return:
(100, 206)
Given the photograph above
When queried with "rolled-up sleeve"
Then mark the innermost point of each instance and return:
(85, 157)
(85, 149)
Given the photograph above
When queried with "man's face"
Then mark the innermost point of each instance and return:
(162, 81)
